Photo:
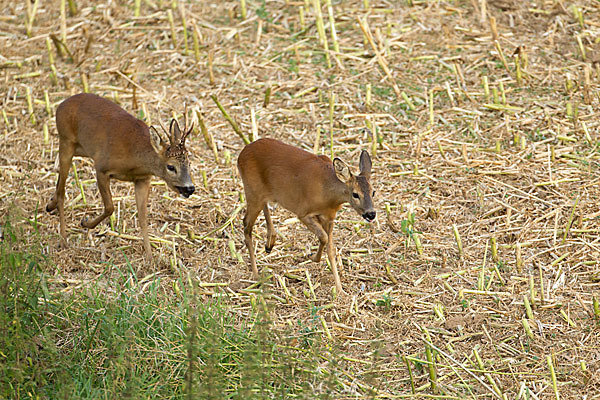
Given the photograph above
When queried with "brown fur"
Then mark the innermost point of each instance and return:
(122, 148)
(312, 187)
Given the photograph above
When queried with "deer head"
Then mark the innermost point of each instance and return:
(358, 186)
(174, 168)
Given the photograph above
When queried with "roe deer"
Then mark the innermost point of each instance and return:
(312, 187)
(123, 148)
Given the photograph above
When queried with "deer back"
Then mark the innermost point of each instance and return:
(120, 144)
(299, 181)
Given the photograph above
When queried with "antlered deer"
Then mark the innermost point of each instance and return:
(123, 148)
(312, 187)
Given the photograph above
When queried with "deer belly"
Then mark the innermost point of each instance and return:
(80, 152)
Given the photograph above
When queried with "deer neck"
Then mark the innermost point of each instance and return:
(339, 191)
(154, 163)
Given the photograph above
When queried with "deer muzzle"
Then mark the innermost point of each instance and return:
(369, 215)
(186, 191)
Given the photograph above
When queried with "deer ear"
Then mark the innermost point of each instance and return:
(365, 164)
(175, 132)
(156, 141)
(341, 170)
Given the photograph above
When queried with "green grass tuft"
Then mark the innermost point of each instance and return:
(134, 341)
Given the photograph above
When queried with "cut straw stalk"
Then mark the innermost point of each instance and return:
(527, 328)
(581, 48)
(410, 374)
(527, 306)
(243, 9)
(172, 25)
(5, 118)
(209, 65)
(301, 16)
(254, 131)
(408, 102)
(518, 73)
(336, 46)
(72, 8)
(501, 55)
(267, 98)
(30, 105)
(331, 112)
(488, 376)
(78, 183)
(431, 115)
(30, 16)
(519, 257)
(372, 131)
(84, 82)
(231, 121)
(458, 240)
(234, 253)
(321, 30)
(570, 221)
(63, 26)
(553, 377)
(596, 307)
(49, 49)
(502, 92)
(486, 87)
(185, 32)
(364, 26)
(46, 133)
(325, 327)
(430, 361)
(26, 75)
(587, 98)
(196, 39)
(47, 103)
(494, 246)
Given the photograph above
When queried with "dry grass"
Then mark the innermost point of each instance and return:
(512, 164)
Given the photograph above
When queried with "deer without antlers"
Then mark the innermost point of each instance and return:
(123, 148)
(312, 187)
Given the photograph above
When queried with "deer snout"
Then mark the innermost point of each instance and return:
(186, 191)
(369, 215)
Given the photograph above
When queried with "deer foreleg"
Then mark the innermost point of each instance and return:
(142, 189)
(103, 182)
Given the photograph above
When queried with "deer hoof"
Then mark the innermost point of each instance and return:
(51, 206)
(84, 222)
(268, 249)
(62, 244)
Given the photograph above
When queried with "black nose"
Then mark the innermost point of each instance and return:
(369, 216)
(186, 191)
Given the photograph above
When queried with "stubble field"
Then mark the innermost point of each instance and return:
(478, 279)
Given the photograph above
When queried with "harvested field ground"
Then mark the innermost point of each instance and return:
(485, 147)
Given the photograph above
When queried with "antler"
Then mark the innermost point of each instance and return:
(162, 139)
(185, 135)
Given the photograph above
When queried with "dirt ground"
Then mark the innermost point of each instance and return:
(486, 126)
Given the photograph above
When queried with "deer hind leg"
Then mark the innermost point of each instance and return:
(103, 182)
(271, 235)
(314, 225)
(142, 189)
(65, 157)
(252, 211)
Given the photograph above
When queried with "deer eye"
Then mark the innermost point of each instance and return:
(355, 195)
(171, 168)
